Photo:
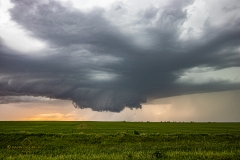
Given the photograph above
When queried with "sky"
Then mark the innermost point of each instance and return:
(120, 60)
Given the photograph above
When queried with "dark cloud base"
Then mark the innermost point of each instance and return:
(92, 62)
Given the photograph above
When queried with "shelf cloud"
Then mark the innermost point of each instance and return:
(109, 58)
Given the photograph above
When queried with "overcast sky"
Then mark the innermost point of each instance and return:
(107, 55)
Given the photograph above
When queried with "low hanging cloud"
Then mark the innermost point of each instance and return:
(110, 58)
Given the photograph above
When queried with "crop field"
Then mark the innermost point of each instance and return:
(118, 140)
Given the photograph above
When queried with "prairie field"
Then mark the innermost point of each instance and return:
(118, 140)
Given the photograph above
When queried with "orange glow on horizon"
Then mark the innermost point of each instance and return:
(52, 117)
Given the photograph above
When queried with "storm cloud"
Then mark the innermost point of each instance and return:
(110, 58)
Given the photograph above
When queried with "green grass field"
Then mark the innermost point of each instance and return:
(119, 140)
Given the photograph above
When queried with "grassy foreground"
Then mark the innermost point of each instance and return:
(119, 140)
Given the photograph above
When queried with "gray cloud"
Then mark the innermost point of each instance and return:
(98, 64)
(20, 99)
